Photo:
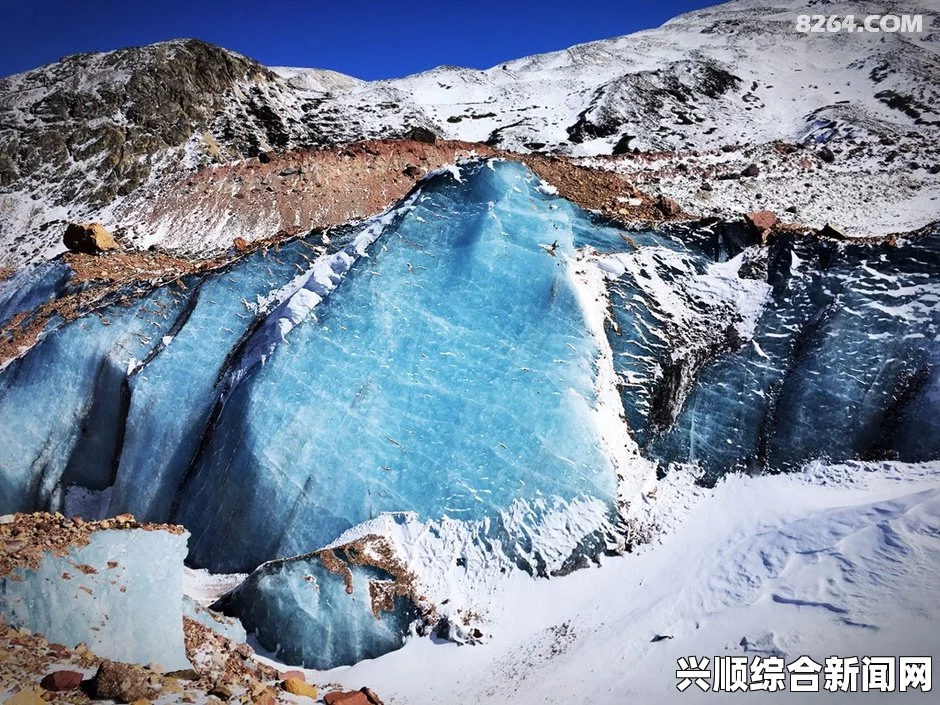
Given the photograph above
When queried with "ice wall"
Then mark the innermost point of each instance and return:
(450, 373)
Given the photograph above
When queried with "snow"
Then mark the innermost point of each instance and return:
(836, 560)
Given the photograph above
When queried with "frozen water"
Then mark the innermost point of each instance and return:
(122, 597)
(451, 373)
(62, 405)
(304, 614)
(843, 364)
(437, 361)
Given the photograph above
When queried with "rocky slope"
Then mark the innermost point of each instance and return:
(78, 136)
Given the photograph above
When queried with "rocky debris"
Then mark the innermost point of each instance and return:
(760, 222)
(62, 680)
(867, 195)
(364, 696)
(27, 696)
(298, 686)
(219, 661)
(88, 238)
(28, 664)
(240, 244)
(124, 682)
(25, 538)
(751, 170)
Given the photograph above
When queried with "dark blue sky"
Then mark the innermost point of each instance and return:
(369, 39)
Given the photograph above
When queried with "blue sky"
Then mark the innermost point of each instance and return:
(369, 39)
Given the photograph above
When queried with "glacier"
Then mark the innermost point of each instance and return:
(121, 595)
(439, 360)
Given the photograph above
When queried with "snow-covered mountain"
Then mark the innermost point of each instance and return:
(78, 135)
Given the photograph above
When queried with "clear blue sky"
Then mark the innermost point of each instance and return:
(366, 38)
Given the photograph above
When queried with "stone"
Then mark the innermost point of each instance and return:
(298, 686)
(751, 170)
(240, 244)
(364, 696)
(222, 691)
(88, 238)
(829, 231)
(265, 697)
(826, 154)
(123, 682)
(298, 675)
(422, 134)
(760, 222)
(668, 207)
(62, 680)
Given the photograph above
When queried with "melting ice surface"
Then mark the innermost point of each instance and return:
(437, 361)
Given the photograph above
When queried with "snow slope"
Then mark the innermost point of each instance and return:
(79, 135)
(840, 560)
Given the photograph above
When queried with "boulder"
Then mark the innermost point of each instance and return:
(422, 134)
(123, 682)
(297, 686)
(668, 207)
(829, 231)
(88, 238)
(62, 680)
(364, 696)
(240, 244)
(352, 697)
(760, 222)
(27, 696)
(826, 154)
(751, 170)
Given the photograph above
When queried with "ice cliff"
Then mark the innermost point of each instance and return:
(444, 360)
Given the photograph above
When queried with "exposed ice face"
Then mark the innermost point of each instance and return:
(843, 364)
(451, 373)
(444, 360)
(306, 615)
(122, 598)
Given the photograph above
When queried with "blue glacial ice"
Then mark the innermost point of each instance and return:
(306, 615)
(450, 373)
(122, 597)
(438, 360)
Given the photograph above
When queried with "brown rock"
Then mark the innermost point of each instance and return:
(353, 697)
(88, 238)
(123, 682)
(222, 691)
(668, 207)
(62, 680)
(240, 244)
(751, 170)
(298, 686)
(265, 697)
(298, 675)
(760, 222)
